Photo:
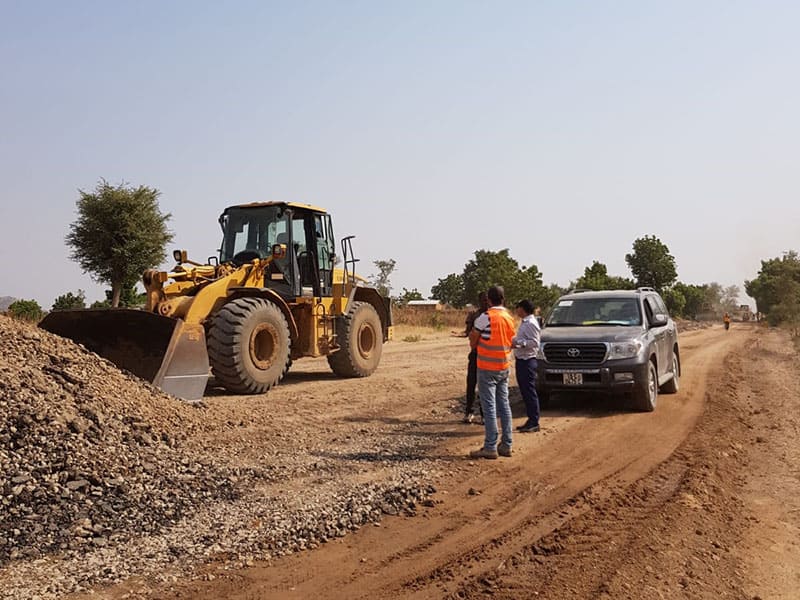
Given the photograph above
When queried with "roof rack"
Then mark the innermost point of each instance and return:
(578, 291)
(645, 289)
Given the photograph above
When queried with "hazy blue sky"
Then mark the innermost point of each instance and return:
(562, 130)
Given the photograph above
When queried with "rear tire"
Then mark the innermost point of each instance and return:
(249, 346)
(674, 384)
(645, 397)
(360, 337)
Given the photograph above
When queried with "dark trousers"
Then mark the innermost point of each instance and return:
(472, 382)
(526, 378)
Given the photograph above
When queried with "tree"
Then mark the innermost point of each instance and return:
(651, 263)
(119, 233)
(675, 301)
(694, 299)
(381, 280)
(450, 290)
(70, 301)
(730, 298)
(409, 295)
(774, 288)
(596, 277)
(489, 268)
(29, 310)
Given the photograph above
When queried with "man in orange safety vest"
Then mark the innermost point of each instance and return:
(492, 336)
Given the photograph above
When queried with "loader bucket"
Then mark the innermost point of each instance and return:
(164, 351)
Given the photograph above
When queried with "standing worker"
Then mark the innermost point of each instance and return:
(726, 319)
(526, 348)
(491, 336)
(472, 365)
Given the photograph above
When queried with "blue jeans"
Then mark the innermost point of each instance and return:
(526, 378)
(493, 389)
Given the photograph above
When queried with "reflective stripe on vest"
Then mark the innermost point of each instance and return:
(493, 353)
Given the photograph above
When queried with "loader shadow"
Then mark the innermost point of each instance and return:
(292, 378)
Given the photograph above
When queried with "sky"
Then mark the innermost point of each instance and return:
(560, 130)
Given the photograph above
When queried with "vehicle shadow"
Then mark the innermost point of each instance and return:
(589, 405)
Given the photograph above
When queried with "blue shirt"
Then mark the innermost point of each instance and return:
(526, 342)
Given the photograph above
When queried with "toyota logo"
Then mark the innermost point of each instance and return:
(573, 352)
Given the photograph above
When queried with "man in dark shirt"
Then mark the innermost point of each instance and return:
(472, 367)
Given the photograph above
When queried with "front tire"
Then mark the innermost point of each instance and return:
(360, 337)
(645, 397)
(249, 346)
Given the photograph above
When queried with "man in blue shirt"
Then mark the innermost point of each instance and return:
(526, 347)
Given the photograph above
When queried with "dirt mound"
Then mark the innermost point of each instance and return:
(89, 456)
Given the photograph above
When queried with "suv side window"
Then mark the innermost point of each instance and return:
(650, 308)
(660, 306)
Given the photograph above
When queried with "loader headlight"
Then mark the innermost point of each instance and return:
(179, 256)
(622, 350)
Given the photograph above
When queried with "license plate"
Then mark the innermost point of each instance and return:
(573, 378)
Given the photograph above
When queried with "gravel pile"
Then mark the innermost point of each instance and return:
(103, 477)
(88, 455)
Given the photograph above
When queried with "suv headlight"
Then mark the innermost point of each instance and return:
(620, 350)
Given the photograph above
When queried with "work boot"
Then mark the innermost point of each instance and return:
(483, 453)
(528, 428)
(504, 450)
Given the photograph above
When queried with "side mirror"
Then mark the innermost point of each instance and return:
(659, 320)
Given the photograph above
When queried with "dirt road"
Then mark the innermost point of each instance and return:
(699, 499)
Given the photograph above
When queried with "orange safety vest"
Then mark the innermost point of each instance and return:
(493, 354)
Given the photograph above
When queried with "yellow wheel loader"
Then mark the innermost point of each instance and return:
(274, 295)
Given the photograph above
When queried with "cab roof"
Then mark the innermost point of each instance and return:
(278, 203)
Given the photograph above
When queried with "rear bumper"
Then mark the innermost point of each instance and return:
(617, 377)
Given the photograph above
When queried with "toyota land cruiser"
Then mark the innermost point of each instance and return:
(621, 342)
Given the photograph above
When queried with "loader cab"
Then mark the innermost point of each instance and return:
(250, 231)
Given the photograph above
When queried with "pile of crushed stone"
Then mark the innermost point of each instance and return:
(89, 456)
(104, 477)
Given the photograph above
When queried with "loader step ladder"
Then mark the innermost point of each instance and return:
(349, 259)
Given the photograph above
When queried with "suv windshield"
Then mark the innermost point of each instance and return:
(574, 312)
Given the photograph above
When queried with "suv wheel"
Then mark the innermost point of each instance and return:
(674, 384)
(646, 394)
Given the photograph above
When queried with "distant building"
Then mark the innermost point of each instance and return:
(426, 304)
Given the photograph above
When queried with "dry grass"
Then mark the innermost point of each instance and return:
(439, 320)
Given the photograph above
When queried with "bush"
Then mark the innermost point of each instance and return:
(28, 310)
(412, 338)
(70, 301)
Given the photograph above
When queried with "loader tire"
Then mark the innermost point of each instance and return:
(360, 337)
(249, 346)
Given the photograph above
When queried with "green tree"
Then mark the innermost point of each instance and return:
(774, 289)
(382, 280)
(596, 277)
(119, 233)
(489, 268)
(694, 297)
(450, 290)
(409, 295)
(70, 301)
(675, 301)
(28, 310)
(652, 264)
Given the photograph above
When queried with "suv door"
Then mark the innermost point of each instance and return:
(659, 334)
(671, 338)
